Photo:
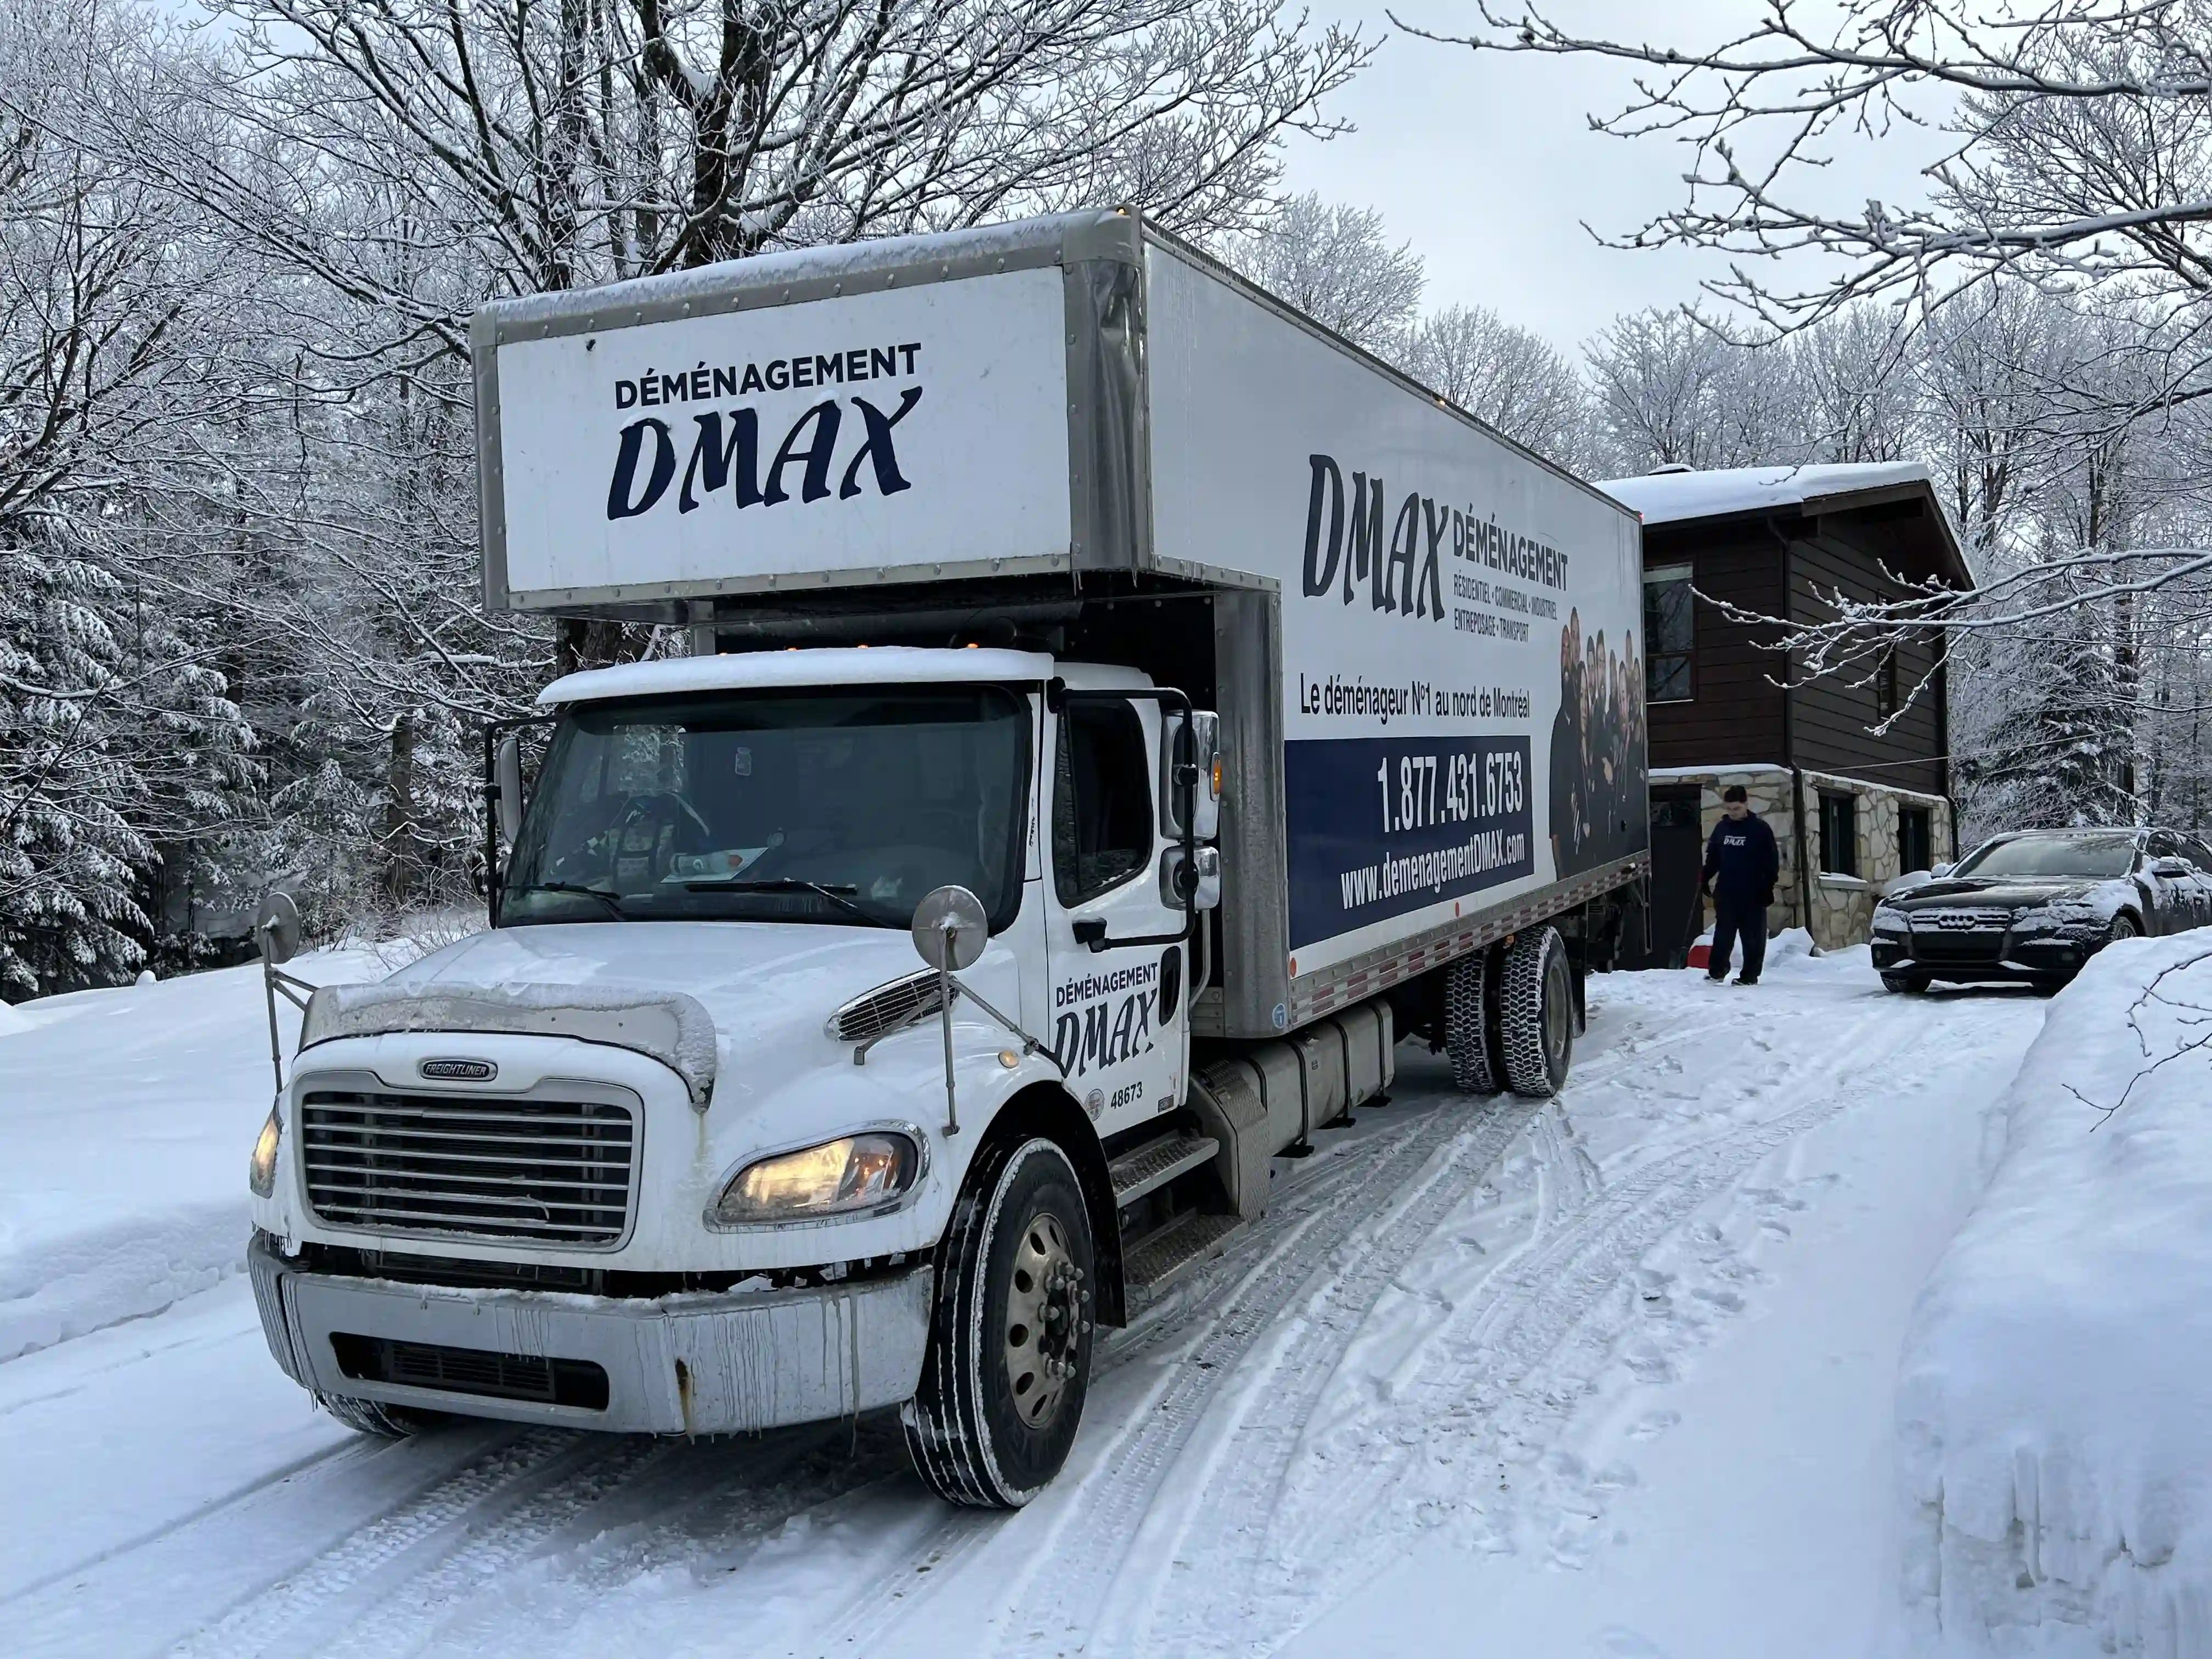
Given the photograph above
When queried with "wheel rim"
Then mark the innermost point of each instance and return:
(2123, 928)
(1556, 1015)
(1043, 1332)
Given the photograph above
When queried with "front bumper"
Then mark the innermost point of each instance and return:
(2013, 961)
(696, 1363)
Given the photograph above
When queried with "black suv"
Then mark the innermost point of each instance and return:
(2032, 907)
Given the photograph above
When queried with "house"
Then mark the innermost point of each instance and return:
(1855, 808)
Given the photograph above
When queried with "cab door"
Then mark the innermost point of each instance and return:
(1119, 987)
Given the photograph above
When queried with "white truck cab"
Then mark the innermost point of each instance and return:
(697, 1058)
(1117, 710)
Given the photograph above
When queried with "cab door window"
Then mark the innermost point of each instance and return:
(1102, 799)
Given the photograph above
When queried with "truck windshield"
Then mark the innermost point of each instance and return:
(842, 806)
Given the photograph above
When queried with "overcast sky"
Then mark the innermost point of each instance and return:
(1486, 165)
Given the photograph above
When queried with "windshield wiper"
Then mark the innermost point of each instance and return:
(612, 901)
(838, 893)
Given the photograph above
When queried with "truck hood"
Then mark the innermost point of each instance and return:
(763, 984)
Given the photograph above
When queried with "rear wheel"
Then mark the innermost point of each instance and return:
(1905, 982)
(1536, 1014)
(373, 1417)
(1010, 1339)
(1466, 1025)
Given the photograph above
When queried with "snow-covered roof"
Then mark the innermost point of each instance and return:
(846, 261)
(1669, 497)
(882, 664)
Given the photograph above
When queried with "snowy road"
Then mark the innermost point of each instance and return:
(1610, 1376)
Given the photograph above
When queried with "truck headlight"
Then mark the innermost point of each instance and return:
(261, 1172)
(856, 1172)
(1891, 923)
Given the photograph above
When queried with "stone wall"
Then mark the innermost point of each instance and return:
(1841, 906)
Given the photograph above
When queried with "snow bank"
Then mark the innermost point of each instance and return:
(127, 1116)
(11, 1021)
(2056, 1393)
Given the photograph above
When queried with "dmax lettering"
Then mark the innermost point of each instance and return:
(725, 453)
(1401, 573)
(1105, 1034)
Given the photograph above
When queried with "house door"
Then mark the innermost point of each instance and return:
(1677, 846)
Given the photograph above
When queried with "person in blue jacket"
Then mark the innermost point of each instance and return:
(1741, 863)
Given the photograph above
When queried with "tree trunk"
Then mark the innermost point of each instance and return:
(401, 836)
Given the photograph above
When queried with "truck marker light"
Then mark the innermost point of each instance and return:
(1009, 1059)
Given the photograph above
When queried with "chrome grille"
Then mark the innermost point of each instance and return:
(887, 1008)
(550, 1171)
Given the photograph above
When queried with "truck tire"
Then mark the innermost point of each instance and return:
(373, 1417)
(1466, 1025)
(1536, 1014)
(1010, 1341)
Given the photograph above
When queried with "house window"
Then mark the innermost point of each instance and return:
(1669, 636)
(1885, 685)
(1915, 843)
(1839, 835)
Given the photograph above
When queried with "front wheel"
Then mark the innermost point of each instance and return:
(1536, 1014)
(1010, 1339)
(2124, 926)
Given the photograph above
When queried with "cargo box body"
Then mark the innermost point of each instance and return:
(1426, 641)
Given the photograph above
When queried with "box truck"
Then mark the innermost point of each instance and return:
(1117, 712)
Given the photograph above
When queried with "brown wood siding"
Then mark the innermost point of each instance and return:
(1735, 716)
(1831, 715)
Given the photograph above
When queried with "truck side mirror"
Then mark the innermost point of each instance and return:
(506, 772)
(950, 929)
(1197, 877)
(1937, 871)
(1192, 742)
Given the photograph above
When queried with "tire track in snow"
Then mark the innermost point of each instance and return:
(1364, 1259)
(503, 1496)
(1280, 1253)
(704, 1507)
(1511, 1365)
(1291, 1259)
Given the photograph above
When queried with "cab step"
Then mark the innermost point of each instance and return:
(1153, 1267)
(1151, 1166)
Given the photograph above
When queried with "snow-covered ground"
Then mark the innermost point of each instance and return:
(127, 1116)
(1614, 1375)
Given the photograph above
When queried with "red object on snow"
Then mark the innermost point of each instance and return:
(1701, 955)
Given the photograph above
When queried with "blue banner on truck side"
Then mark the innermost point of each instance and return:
(1378, 827)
